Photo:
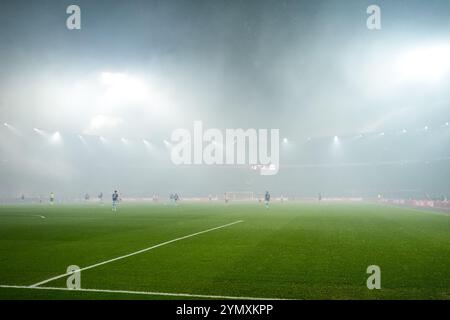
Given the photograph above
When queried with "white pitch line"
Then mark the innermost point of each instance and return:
(26, 216)
(147, 293)
(133, 253)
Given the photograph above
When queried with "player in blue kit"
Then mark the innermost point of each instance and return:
(267, 199)
(115, 200)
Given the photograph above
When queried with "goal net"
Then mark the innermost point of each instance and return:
(239, 196)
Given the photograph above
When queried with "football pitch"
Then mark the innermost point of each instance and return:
(212, 250)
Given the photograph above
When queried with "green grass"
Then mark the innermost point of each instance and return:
(292, 250)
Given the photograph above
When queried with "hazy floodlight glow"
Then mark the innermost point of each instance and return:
(426, 128)
(5, 124)
(285, 140)
(404, 131)
(446, 124)
(103, 139)
(336, 139)
(101, 121)
(123, 86)
(425, 63)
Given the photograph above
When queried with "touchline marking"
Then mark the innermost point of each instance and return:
(24, 216)
(147, 293)
(133, 253)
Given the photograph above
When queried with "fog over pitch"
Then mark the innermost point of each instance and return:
(137, 71)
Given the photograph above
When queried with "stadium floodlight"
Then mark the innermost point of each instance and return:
(144, 141)
(336, 143)
(404, 131)
(82, 139)
(430, 63)
(426, 128)
(39, 132)
(285, 140)
(167, 143)
(12, 129)
(56, 138)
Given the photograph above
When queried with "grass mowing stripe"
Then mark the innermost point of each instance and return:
(134, 253)
(148, 293)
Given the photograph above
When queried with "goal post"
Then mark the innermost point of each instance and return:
(240, 196)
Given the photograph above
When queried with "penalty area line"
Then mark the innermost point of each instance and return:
(147, 293)
(133, 253)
